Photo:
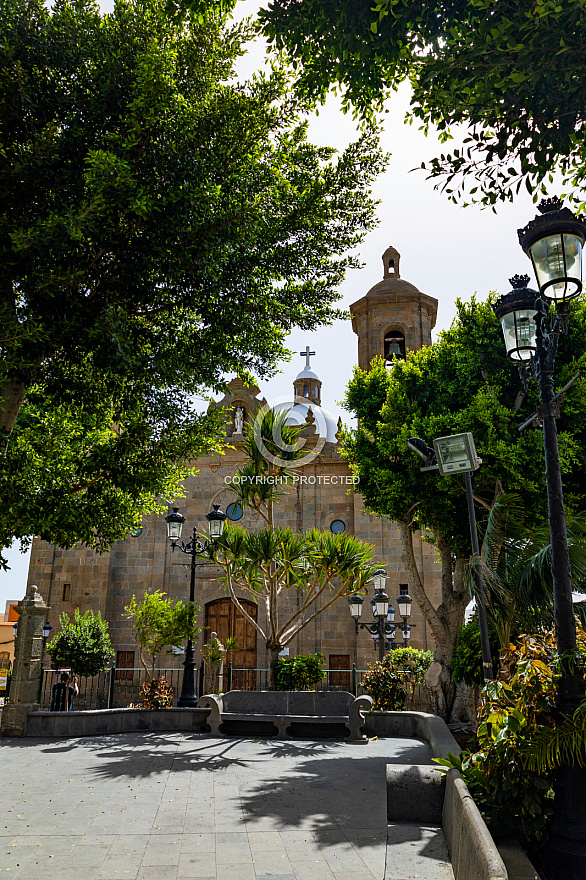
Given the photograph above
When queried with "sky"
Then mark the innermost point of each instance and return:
(447, 251)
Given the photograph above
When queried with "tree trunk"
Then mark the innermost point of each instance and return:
(445, 620)
(274, 651)
(12, 395)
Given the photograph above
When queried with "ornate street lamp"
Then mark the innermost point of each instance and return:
(554, 243)
(194, 548)
(382, 628)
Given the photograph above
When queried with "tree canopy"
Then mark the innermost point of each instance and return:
(83, 644)
(161, 227)
(463, 382)
(159, 625)
(512, 71)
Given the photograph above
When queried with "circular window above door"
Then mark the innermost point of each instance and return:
(234, 511)
(338, 526)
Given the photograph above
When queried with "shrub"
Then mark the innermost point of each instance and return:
(413, 661)
(156, 694)
(511, 796)
(83, 644)
(384, 685)
(298, 673)
(467, 656)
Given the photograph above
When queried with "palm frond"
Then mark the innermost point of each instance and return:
(552, 747)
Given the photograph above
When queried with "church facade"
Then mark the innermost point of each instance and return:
(392, 318)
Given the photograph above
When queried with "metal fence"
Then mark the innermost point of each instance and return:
(118, 688)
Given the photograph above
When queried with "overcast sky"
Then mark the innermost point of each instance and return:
(446, 251)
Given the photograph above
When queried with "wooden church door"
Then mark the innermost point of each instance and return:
(225, 619)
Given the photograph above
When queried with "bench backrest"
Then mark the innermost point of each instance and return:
(288, 702)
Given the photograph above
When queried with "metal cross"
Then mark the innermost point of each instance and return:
(307, 354)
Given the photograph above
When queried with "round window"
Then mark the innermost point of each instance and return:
(136, 533)
(337, 527)
(234, 511)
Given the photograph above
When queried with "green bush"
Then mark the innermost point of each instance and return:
(384, 685)
(298, 673)
(83, 644)
(410, 660)
(467, 656)
(513, 797)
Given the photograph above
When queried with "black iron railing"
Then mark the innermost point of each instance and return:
(119, 688)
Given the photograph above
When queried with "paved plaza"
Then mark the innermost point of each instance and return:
(172, 806)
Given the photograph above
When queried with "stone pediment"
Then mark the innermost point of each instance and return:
(243, 398)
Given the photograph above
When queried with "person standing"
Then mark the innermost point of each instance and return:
(63, 692)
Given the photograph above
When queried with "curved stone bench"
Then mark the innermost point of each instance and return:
(284, 714)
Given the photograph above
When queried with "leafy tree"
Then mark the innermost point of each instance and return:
(159, 626)
(511, 71)
(461, 383)
(269, 563)
(299, 673)
(160, 228)
(83, 644)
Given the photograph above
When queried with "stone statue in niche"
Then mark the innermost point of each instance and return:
(239, 420)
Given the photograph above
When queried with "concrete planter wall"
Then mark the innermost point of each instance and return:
(103, 721)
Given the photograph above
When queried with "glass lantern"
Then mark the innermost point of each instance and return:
(404, 602)
(554, 243)
(379, 580)
(355, 602)
(174, 522)
(380, 604)
(216, 519)
(516, 311)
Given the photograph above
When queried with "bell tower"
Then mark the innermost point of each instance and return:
(307, 384)
(394, 317)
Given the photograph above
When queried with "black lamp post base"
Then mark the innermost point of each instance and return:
(564, 855)
(187, 702)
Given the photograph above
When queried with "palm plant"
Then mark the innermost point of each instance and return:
(322, 566)
(516, 567)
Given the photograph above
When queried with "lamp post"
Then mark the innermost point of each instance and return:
(382, 628)
(194, 548)
(554, 243)
(451, 455)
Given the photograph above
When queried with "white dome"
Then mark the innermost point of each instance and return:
(306, 373)
(325, 424)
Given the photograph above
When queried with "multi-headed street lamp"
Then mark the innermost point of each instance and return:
(531, 329)
(382, 628)
(194, 548)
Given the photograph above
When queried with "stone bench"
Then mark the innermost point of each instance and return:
(286, 714)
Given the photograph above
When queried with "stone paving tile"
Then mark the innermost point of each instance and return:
(173, 807)
(120, 867)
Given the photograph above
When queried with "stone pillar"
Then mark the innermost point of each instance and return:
(27, 664)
